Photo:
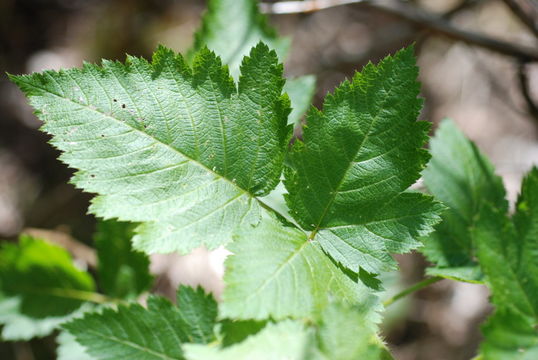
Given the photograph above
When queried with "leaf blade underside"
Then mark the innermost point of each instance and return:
(184, 151)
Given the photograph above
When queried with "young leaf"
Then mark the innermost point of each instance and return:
(277, 272)
(231, 28)
(348, 177)
(285, 340)
(157, 332)
(43, 277)
(123, 272)
(463, 178)
(182, 150)
(507, 252)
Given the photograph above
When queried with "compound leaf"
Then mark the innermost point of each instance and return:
(507, 252)
(182, 150)
(348, 177)
(43, 277)
(463, 178)
(157, 332)
(123, 272)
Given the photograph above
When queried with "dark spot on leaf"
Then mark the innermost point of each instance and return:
(123, 106)
(114, 100)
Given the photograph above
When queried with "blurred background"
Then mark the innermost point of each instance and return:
(490, 92)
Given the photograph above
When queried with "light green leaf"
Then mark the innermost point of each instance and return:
(43, 278)
(277, 272)
(123, 272)
(301, 91)
(463, 178)
(344, 333)
(231, 28)
(286, 340)
(16, 326)
(340, 333)
(508, 253)
(70, 349)
(183, 151)
(158, 332)
(348, 177)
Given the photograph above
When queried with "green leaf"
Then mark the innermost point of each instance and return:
(507, 252)
(123, 272)
(348, 177)
(231, 28)
(277, 272)
(182, 150)
(463, 178)
(158, 332)
(286, 340)
(198, 312)
(43, 277)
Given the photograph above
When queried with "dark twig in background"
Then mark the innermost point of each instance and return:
(525, 90)
(414, 15)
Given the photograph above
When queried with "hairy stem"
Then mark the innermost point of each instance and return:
(420, 285)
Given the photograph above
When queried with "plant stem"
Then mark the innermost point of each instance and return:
(89, 296)
(420, 285)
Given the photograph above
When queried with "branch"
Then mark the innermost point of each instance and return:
(413, 15)
(418, 286)
(525, 90)
(526, 11)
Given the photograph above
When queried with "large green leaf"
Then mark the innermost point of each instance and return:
(463, 178)
(158, 332)
(348, 177)
(43, 278)
(183, 150)
(123, 272)
(277, 272)
(232, 27)
(508, 253)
